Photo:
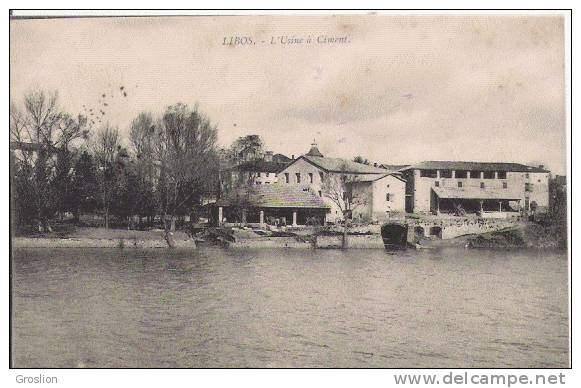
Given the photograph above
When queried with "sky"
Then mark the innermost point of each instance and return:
(395, 89)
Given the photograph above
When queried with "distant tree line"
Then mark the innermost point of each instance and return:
(61, 164)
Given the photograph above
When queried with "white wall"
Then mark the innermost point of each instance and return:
(303, 167)
(396, 189)
(515, 186)
(264, 178)
(374, 193)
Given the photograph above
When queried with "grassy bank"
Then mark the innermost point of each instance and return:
(529, 235)
(86, 237)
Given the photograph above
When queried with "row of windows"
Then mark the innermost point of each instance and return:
(482, 185)
(298, 177)
(463, 174)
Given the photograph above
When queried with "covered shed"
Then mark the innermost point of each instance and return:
(270, 204)
(450, 199)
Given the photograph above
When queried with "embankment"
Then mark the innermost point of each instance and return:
(523, 236)
(103, 238)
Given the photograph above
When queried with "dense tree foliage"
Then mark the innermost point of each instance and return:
(61, 165)
(43, 140)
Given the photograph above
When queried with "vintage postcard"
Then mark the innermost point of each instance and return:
(317, 190)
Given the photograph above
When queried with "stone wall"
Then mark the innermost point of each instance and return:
(353, 241)
(450, 228)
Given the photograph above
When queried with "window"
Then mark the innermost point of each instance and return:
(320, 193)
(258, 183)
(258, 175)
(322, 176)
(428, 173)
(286, 177)
(504, 185)
(488, 174)
(267, 174)
(481, 185)
(461, 174)
(527, 175)
(310, 177)
(266, 183)
(475, 174)
(388, 186)
(298, 175)
(502, 175)
(445, 173)
(437, 183)
(528, 187)
(459, 184)
(388, 197)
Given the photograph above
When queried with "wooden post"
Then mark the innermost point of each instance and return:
(500, 206)
(220, 215)
(294, 218)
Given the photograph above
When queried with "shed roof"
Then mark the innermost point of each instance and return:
(478, 166)
(393, 167)
(260, 166)
(275, 196)
(474, 193)
(376, 177)
(342, 165)
(280, 158)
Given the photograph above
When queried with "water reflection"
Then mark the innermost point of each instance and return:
(256, 308)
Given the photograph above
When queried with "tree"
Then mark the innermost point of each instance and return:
(23, 196)
(186, 150)
(361, 159)
(106, 149)
(338, 187)
(247, 147)
(142, 136)
(62, 181)
(41, 139)
(85, 185)
(142, 139)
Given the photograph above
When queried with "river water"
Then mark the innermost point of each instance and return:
(289, 308)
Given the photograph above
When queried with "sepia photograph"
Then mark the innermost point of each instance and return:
(278, 190)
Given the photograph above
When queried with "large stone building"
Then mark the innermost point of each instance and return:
(375, 193)
(489, 189)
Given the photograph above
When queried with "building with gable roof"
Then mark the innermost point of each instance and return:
(380, 192)
(489, 189)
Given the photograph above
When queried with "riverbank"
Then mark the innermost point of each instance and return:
(527, 235)
(83, 237)
(530, 236)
